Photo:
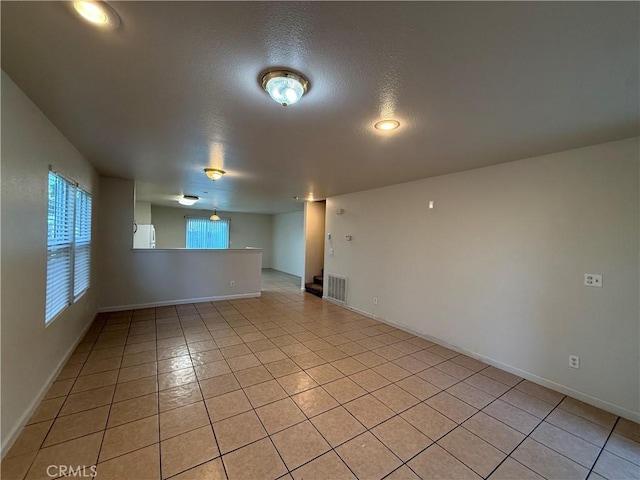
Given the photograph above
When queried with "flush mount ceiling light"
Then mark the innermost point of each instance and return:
(387, 125)
(188, 200)
(97, 13)
(284, 87)
(215, 216)
(214, 173)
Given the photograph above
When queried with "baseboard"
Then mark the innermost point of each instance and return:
(43, 391)
(181, 301)
(583, 397)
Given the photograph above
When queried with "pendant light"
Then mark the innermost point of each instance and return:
(215, 216)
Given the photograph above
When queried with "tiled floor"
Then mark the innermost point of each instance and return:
(290, 386)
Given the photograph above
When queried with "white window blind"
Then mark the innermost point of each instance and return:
(68, 244)
(205, 233)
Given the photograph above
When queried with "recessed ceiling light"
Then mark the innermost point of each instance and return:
(387, 125)
(97, 13)
(188, 200)
(284, 87)
(214, 173)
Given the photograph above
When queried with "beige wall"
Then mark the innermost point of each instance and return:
(32, 354)
(288, 243)
(497, 267)
(246, 229)
(142, 213)
(136, 278)
(314, 213)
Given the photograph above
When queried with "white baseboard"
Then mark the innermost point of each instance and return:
(583, 397)
(17, 429)
(181, 301)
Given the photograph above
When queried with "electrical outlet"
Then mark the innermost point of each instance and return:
(375, 300)
(232, 283)
(331, 252)
(592, 280)
(574, 361)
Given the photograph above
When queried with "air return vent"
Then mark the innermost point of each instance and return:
(336, 288)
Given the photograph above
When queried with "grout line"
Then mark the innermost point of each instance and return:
(603, 445)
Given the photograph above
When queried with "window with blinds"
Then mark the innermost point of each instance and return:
(68, 244)
(205, 233)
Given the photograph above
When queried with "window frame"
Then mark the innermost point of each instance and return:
(70, 272)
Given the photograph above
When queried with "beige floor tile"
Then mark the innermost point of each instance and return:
(401, 437)
(215, 386)
(128, 437)
(15, 468)
(141, 464)
(77, 425)
(575, 448)
(212, 470)
(624, 447)
(470, 363)
(177, 378)
(411, 364)
(243, 362)
(455, 370)
(471, 395)
(428, 357)
(253, 376)
(395, 398)
(448, 405)
(308, 360)
(177, 351)
(200, 358)
(438, 378)
(418, 387)
(264, 393)
(344, 390)
(349, 366)
(541, 393)
(280, 415)
(331, 354)
(512, 470)
(97, 366)
(351, 348)
(187, 450)
(179, 396)
(512, 416)
(367, 457)
(369, 411)
(183, 419)
(81, 452)
(337, 426)
(296, 382)
(493, 431)
(391, 371)
(47, 410)
(471, 450)
(260, 460)
(487, 385)
(138, 358)
(430, 422)
(299, 444)
(238, 431)
(614, 467)
(547, 462)
(437, 463)
(262, 345)
(30, 439)
(133, 409)
(501, 376)
(271, 355)
(282, 367)
(402, 473)
(315, 401)
(527, 403)
(370, 359)
(579, 426)
(628, 428)
(97, 380)
(324, 373)
(227, 405)
(175, 363)
(78, 402)
(213, 369)
(59, 389)
(140, 347)
(136, 388)
(328, 466)
(588, 412)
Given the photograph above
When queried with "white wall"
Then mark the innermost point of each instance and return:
(288, 243)
(246, 229)
(497, 267)
(135, 278)
(314, 213)
(142, 213)
(31, 352)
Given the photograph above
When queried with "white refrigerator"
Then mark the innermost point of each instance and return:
(144, 236)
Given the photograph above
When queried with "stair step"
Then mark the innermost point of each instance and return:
(318, 279)
(314, 289)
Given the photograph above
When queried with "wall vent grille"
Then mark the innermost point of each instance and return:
(337, 288)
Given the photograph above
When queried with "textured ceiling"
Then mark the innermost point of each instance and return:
(176, 90)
